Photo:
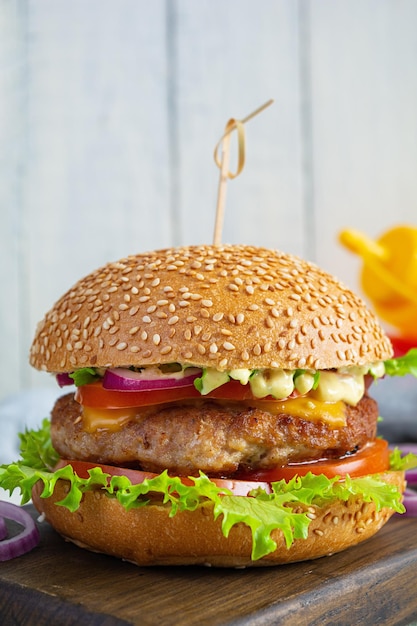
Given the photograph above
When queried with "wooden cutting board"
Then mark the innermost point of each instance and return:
(58, 584)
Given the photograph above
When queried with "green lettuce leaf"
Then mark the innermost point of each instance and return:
(84, 376)
(262, 512)
(401, 462)
(406, 364)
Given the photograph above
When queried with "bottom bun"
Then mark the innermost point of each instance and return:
(148, 536)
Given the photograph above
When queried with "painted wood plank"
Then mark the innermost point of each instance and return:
(364, 126)
(113, 112)
(12, 146)
(97, 181)
(231, 58)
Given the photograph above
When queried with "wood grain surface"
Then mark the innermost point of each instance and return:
(60, 584)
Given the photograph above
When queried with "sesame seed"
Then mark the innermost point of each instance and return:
(233, 287)
(173, 320)
(217, 317)
(228, 346)
(144, 335)
(121, 346)
(269, 323)
(240, 318)
(213, 348)
(146, 319)
(207, 303)
(166, 350)
(223, 363)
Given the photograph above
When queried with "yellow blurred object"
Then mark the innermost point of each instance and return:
(389, 274)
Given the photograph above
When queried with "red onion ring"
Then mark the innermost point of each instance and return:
(121, 379)
(410, 503)
(3, 529)
(25, 540)
(64, 379)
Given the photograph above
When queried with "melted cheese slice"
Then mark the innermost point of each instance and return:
(331, 413)
(312, 410)
(106, 419)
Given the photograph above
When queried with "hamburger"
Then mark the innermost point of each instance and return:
(221, 413)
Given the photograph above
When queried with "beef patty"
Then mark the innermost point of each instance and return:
(217, 438)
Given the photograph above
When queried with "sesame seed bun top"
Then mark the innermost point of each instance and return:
(227, 307)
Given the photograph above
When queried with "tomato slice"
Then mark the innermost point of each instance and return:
(94, 395)
(373, 458)
(237, 487)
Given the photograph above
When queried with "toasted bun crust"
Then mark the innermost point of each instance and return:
(148, 536)
(225, 307)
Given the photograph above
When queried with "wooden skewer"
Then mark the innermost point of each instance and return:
(223, 164)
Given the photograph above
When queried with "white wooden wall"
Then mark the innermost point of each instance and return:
(110, 111)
